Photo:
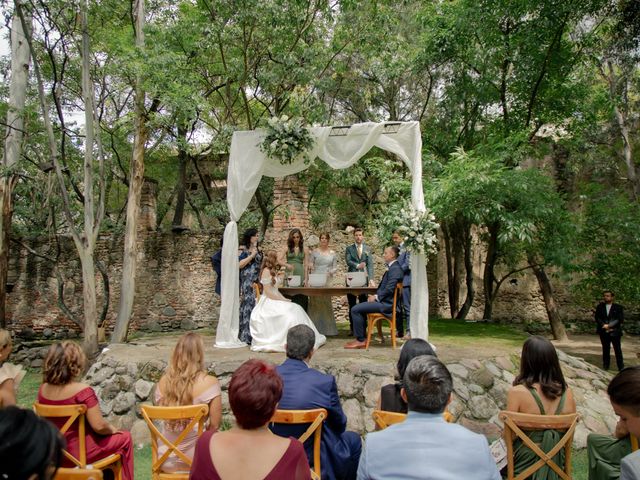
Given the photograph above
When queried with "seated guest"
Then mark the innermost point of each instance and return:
(539, 389)
(424, 445)
(624, 394)
(381, 302)
(63, 364)
(31, 447)
(306, 388)
(186, 383)
(605, 453)
(249, 450)
(390, 398)
(10, 375)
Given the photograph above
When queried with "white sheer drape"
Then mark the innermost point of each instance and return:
(247, 165)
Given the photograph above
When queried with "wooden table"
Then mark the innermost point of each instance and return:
(321, 311)
(327, 291)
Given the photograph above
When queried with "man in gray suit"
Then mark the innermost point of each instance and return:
(424, 445)
(358, 258)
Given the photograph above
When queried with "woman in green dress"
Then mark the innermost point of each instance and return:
(539, 389)
(294, 259)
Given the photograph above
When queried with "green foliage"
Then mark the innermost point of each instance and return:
(287, 140)
(609, 242)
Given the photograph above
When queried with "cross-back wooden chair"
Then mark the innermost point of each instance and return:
(77, 413)
(384, 418)
(378, 318)
(515, 425)
(315, 418)
(257, 288)
(197, 414)
(78, 474)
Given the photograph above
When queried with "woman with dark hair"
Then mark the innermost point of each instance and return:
(31, 447)
(539, 389)
(250, 258)
(390, 399)
(63, 365)
(294, 259)
(186, 382)
(249, 450)
(274, 314)
(611, 457)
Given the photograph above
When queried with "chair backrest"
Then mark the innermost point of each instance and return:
(73, 413)
(634, 443)
(196, 414)
(257, 288)
(78, 474)
(313, 417)
(397, 294)
(385, 419)
(515, 425)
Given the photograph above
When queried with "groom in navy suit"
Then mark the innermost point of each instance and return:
(306, 388)
(381, 302)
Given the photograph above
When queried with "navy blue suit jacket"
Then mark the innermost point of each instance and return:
(216, 262)
(404, 259)
(388, 285)
(306, 388)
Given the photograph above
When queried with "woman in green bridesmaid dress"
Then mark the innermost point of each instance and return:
(294, 258)
(539, 389)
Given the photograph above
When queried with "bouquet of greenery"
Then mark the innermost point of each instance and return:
(287, 139)
(418, 230)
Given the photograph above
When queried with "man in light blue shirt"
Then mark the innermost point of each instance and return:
(424, 446)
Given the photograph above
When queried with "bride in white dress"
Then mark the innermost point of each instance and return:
(274, 315)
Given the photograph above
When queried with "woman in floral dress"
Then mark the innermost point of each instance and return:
(250, 258)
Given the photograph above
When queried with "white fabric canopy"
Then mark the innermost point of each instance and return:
(247, 165)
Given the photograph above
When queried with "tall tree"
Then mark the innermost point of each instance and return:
(136, 179)
(12, 145)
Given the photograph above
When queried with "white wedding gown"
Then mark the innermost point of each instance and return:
(271, 320)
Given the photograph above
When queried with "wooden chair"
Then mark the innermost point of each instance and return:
(514, 426)
(315, 418)
(77, 413)
(197, 414)
(634, 443)
(78, 474)
(377, 318)
(385, 419)
(257, 288)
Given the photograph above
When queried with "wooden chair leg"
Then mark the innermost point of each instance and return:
(392, 326)
(379, 324)
(369, 328)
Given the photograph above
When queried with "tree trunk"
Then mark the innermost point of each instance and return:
(90, 304)
(468, 267)
(557, 327)
(488, 278)
(136, 179)
(454, 250)
(182, 178)
(12, 147)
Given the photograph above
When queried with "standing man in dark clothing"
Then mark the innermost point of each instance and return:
(609, 317)
(216, 263)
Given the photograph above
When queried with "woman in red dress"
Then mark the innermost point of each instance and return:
(64, 363)
(250, 451)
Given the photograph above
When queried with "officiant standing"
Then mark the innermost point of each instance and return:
(359, 259)
(609, 317)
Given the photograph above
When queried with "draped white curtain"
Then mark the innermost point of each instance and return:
(247, 165)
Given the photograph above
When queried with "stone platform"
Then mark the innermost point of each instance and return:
(124, 377)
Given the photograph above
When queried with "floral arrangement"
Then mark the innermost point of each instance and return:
(418, 230)
(287, 140)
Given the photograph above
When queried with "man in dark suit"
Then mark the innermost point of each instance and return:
(359, 259)
(306, 388)
(404, 260)
(216, 263)
(381, 302)
(609, 317)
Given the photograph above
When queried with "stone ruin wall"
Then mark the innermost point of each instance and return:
(174, 288)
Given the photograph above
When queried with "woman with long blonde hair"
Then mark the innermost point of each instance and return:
(186, 382)
(274, 314)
